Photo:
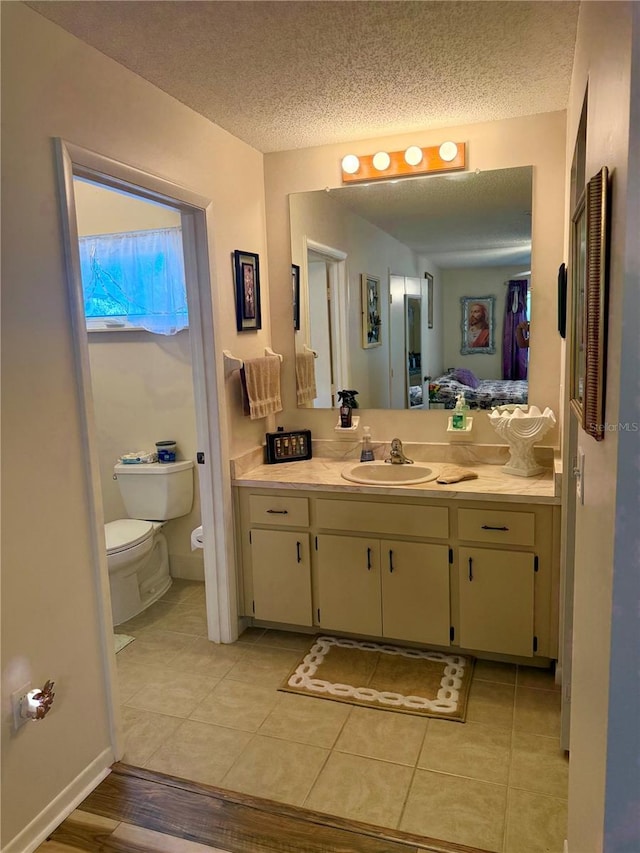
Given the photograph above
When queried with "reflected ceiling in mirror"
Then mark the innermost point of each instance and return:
(471, 232)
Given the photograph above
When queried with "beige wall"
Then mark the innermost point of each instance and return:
(53, 85)
(603, 56)
(104, 211)
(534, 140)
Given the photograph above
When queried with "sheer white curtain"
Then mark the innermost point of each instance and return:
(137, 276)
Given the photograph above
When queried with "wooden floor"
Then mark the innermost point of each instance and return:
(209, 818)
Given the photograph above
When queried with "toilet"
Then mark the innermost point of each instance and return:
(137, 553)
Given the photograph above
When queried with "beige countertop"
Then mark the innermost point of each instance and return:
(324, 474)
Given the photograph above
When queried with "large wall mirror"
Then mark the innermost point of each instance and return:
(452, 254)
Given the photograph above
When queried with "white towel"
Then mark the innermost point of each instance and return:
(305, 378)
(261, 386)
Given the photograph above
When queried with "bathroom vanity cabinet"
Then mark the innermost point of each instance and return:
(449, 573)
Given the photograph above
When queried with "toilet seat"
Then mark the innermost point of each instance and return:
(126, 533)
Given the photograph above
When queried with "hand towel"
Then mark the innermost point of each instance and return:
(305, 378)
(454, 474)
(261, 386)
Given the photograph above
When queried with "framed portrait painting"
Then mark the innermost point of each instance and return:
(478, 324)
(371, 324)
(246, 268)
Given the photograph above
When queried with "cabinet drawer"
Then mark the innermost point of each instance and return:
(281, 511)
(429, 522)
(504, 527)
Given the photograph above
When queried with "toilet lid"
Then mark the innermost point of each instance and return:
(125, 533)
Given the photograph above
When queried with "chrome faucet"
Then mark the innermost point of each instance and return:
(396, 454)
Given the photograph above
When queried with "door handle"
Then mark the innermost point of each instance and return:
(278, 511)
(390, 561)
(470, 568)
(489, 527)
(368, 559)
(298, 552)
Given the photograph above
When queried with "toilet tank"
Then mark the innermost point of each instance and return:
(156, 491)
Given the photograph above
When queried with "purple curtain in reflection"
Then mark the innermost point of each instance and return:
(515, 359)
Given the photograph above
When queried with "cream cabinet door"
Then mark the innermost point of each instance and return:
(349, 584)
(415, 592)
(281, 576)
(496, 600)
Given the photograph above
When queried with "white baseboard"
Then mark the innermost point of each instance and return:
(61, 807)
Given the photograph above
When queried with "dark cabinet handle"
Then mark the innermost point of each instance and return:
(391, 561)
(368, 559)
(298, 552)
(470, 568)
(278, 511)
(489, 527)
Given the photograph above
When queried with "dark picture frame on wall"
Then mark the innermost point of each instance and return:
(562, 300)
(371, 307)
(590, 303)
(429, 279)
(295, 284)
(246, 270)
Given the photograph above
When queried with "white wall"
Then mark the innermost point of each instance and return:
(537, 141)
(482, 281)
(54, 85)
(603, 57)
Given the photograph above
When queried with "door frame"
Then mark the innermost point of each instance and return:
(336, 261)
(211, 428)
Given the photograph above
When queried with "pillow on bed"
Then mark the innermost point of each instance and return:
(466, 377)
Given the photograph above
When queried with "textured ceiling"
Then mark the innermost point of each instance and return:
(471, 219)
(283, 75)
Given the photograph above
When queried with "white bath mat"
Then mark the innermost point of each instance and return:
(121, 641)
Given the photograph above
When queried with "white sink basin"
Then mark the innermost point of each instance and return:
(387, 474)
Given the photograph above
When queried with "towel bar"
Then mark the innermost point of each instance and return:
(231, 362)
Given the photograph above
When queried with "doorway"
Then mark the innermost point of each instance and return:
(210, 425)
(131, 255)
(325, 308)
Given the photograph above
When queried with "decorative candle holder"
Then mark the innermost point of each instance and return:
(521, 430)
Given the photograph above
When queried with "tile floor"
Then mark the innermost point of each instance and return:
(213, 714)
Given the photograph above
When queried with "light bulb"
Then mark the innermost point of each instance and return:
(413, 155)
(448, 151)
(350, 164)
(381, 161)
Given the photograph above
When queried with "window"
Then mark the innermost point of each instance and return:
(134, 280)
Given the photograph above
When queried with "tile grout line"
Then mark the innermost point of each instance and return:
(413, 775)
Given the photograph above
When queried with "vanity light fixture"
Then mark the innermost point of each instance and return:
(350, 164)
(448, 157)
(381, 161)
(413, 156)
(448, 151)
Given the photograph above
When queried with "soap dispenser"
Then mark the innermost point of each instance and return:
(366, 453)
(459, 417)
